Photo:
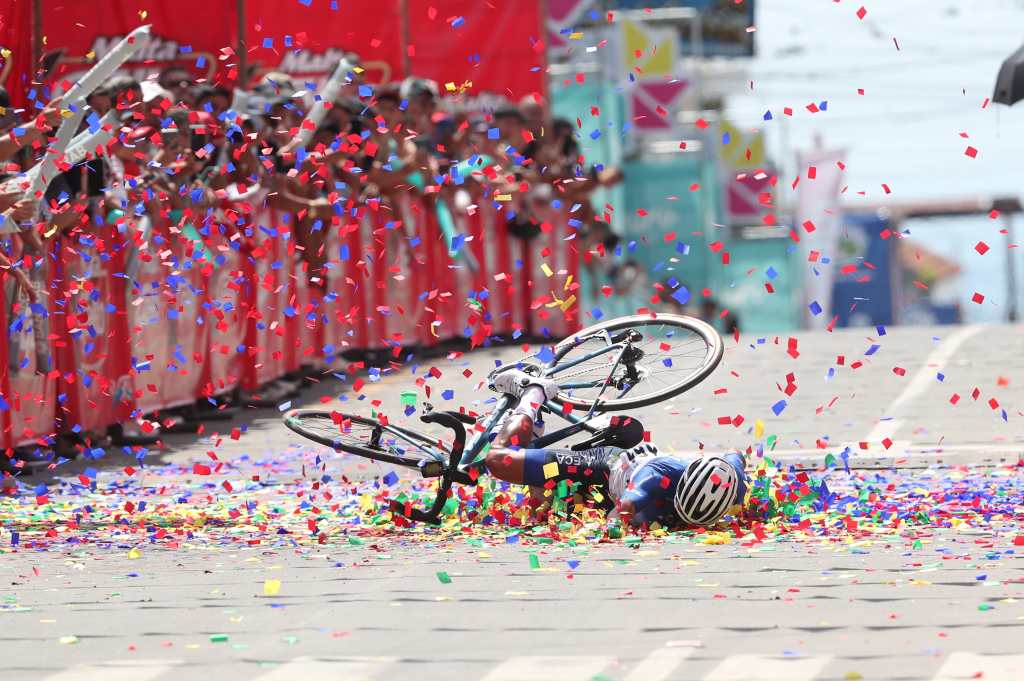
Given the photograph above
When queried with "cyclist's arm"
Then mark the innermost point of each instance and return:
(639, 504)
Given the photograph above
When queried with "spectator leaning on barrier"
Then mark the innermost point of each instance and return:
(179, 151)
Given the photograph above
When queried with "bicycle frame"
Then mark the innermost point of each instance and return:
(480, 441)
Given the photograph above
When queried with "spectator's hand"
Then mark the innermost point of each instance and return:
(51, 116)
(22, 281)
(24, 209)
(9, 196)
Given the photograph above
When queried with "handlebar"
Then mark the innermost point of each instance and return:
(453, 420)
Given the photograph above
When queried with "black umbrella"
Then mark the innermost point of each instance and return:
(1010, 82)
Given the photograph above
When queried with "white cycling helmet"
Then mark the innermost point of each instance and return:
(706, 491)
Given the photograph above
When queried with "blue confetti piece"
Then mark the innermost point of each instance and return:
(872, 350)
(815, 308)
(459, 21)
(390, 479)
(725, 138)
(770, 272)
(779, 407)
(365, 91)
(880, 330)
(448, 394)
(681, 295)
(767, 115)
(596, 313)
(268, 43)
(546, 354)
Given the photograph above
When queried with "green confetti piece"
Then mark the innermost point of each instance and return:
(917, 544)
(218, 638)
(355, 541)
(632, 541)
(408, 398)
(534, 561)
(444, 578)
(985, 607)
(772, 439)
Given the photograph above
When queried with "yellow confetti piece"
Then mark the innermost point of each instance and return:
(852, 676)
(143, 14)
(5, 53)
(568, 303)
(358, 69)
(271, 587)
(568, 283)
(91, 54)
(134, 554)
(450, 87)
(503, 197)
(758, 429)
(550, 470)
(68, 640)
(545, 269)
(576, 36)
(717, 538)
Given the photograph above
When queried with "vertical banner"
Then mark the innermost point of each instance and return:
(816, 216)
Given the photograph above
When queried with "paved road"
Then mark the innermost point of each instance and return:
(109, 599)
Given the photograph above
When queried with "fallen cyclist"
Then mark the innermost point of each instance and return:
(645, 485)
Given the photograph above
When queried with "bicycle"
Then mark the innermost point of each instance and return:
(611, 358)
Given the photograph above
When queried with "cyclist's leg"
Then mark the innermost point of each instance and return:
(536, 467)
(518, 429)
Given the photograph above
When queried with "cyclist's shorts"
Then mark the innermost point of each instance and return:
(588, 466)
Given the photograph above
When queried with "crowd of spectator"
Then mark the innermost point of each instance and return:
(181, 147)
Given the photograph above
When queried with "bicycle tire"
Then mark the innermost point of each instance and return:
(323, 427)
(712, 356)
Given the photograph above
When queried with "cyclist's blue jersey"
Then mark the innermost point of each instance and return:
(640, 475)
(652, 481)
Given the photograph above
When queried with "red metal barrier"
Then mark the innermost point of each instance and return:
(207, 308)
(96, 383)
(28, 349)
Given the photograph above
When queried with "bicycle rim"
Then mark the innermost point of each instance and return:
(370, 439)
(677, 353)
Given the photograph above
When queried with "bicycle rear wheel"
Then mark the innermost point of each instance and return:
(370, 439)
(672, 354)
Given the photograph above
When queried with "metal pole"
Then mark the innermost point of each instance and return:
(243, 56)
(403, 9)
(1011, 271)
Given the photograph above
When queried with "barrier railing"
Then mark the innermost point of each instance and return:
(146, 314)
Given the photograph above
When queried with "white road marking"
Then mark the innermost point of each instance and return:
(120, 670)
(549, 668)
(659, 665)
(326, 669)
(961, 666)
(922, 381)
(767, 668)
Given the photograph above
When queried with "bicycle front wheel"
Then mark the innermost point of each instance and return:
(669, 354)
(371, 439)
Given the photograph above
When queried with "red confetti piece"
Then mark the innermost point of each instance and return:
(861, 13)
(977, 298)
(981, 247)
(972, 152)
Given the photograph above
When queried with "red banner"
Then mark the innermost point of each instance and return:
(307, 42)
(498, 47)
(16, 45)
(79, 33)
